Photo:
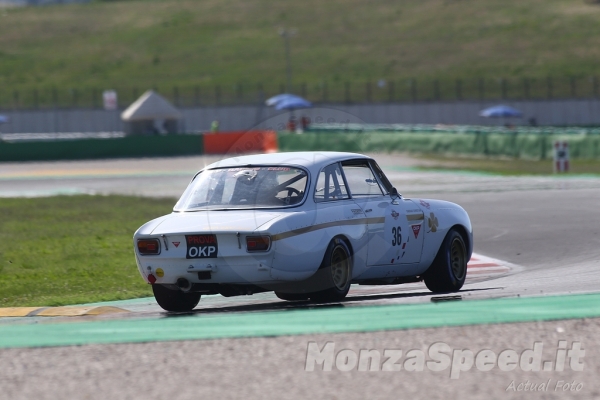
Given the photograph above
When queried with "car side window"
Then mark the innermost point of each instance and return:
(361, 181)
(330, 184)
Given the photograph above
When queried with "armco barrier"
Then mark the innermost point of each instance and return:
(240, 142)
(512, 144)
(133, 146)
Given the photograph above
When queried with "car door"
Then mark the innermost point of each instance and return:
(394, 224)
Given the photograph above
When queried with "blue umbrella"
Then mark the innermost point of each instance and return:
(292, 104)
(288, 101)
(501, 111)
(271, 101)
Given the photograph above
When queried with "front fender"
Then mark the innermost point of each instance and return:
(440, 217)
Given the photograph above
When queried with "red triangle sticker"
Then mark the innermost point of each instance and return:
(176, 244)
(416, 229)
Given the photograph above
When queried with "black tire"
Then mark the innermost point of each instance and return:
(175, 300)
(335, 272)
(292, 296)
(449, 269)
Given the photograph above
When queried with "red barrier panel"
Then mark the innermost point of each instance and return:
(240, 142)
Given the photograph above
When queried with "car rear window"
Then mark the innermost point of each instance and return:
(245, 187)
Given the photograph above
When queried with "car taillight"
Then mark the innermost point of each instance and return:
(258, 243)
(148, 246)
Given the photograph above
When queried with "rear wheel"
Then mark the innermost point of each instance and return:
(175, 300)
(336, 271)
(449, 269)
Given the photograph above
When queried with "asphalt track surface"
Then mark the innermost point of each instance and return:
(545, 228)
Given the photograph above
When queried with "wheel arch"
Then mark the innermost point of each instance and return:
(348, 244)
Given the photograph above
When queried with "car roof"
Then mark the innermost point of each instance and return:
(312, 160)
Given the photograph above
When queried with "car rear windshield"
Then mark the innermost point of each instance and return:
(245, 187)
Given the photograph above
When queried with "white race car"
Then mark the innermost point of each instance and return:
(305, 225)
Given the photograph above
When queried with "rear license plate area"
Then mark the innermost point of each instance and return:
(201, 246)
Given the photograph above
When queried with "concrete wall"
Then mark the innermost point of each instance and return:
(546, 113)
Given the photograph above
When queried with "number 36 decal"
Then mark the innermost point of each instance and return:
(396, 235)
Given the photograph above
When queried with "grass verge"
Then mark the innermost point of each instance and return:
(139, 44)
(72, 249)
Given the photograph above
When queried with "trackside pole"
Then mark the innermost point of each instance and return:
(561, 156)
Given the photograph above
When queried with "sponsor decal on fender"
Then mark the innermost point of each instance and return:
(395, 214)
(416, 229)
(424, 204)
(176, 244)
(432, 222)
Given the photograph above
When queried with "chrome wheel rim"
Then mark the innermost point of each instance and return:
(340, 268)
(458, 259)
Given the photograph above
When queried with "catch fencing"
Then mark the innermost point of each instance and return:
(535, 144)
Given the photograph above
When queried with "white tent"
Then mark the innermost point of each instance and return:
(150, 105)
(151, 114)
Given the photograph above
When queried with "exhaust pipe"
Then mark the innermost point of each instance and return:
(184, 285)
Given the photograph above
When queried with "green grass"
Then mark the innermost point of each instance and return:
(505, 166)
(137, 44)
(72, 249)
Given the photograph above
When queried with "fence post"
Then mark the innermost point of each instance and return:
(542, 145)
(347, 92)
(239, 93)
(526, 88)
(196, 96)
(481, 88)
(54, 98)
(94, 98)
(176, 96)
(260, 89)
(15, 99)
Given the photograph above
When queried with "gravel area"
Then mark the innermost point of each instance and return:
(269, 368)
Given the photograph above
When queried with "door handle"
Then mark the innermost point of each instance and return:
(368, 210)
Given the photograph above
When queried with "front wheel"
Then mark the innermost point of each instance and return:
(175, 300)
(449, 269)
(336, 272)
